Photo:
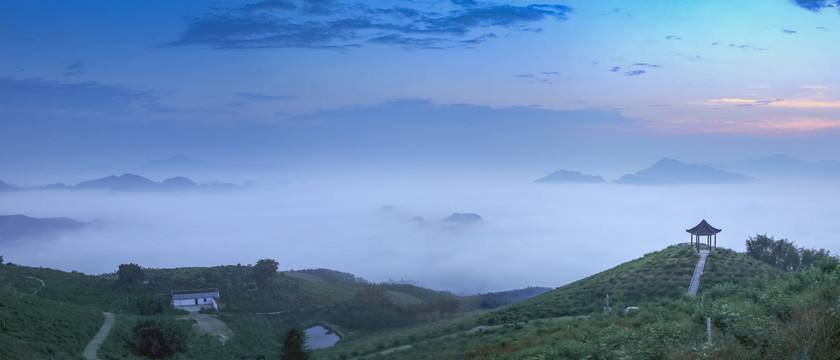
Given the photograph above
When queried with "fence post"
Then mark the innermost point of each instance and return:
(709, 329)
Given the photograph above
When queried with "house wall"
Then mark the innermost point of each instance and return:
(196, 302)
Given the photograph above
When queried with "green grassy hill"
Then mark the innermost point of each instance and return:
(656, 280)
(756, 311)
(656, 276)
(47, 313)
(38, 322)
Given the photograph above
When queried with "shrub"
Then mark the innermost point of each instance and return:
(160, 338)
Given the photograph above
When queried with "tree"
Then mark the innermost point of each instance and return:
(294, 345)
(264, 272)
(157, 338)
(130, 274)
(151, 305)
(784, 254)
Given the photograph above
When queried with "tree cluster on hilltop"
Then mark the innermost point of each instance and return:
(784, 254)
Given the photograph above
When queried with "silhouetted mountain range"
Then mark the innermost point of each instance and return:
(17, 226)
(673, 172)
(125, 182)
(129, 182)
(785, 166)
(7, 187)
(566, 176)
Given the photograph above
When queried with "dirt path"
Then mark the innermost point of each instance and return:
(37, 279)
(211, 325)
(93, 346)
(469, 331)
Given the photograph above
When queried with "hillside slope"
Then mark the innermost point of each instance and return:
(656, 276)
(656, 283)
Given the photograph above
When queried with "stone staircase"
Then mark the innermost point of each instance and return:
(698, 270)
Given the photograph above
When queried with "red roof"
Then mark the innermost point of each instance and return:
(703, 228)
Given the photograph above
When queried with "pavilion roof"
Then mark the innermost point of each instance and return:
(703, 228)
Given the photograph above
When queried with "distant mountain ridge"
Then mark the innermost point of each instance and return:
(17, 226)
(129, 183)
(7, 187)
(568, 176)
(786, 166)
(124, 182)
(673, 172)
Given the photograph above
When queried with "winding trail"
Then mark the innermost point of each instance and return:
(455, 334)
(37, 279)
(698, 270)
(93, 346)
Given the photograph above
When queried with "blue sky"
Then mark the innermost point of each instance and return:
(95, 82)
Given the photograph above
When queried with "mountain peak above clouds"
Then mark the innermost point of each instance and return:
(567, 176)
(673, 172)
(124, 182)
(132, 182)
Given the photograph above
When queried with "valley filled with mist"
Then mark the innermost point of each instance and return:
(390, 227)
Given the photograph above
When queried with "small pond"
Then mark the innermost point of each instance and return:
(317, 337)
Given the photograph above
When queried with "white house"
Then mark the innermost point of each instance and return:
(193, 300)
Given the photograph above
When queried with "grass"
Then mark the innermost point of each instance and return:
(567, 322)
(656, 282)
(32, 327)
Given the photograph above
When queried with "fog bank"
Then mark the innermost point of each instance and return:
(391, 228)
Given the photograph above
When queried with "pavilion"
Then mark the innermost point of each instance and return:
(703, 229)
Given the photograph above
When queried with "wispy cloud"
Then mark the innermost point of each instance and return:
(788, 31)
(673, 37)
(635, 72)
(733, 101)
(817, 5)
(87, 98)
(271, 5)
(547, 77)
(318, 7)
(261, 97)
(806, 104)
(795, 103)
(652, 66)
(332, 24)
(741, 46)
(73, 69)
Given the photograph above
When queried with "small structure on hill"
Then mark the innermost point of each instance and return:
(194, 300)
(703, 229)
